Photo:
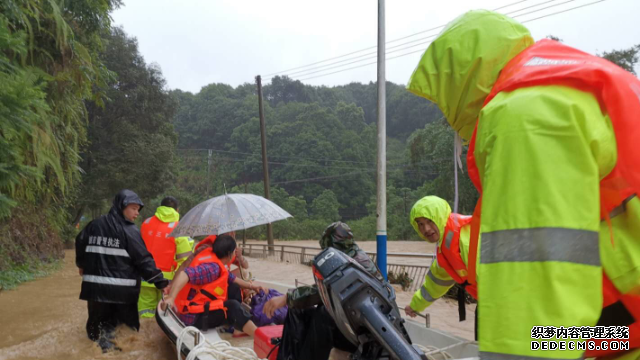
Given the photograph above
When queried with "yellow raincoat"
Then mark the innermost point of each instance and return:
(541, 152)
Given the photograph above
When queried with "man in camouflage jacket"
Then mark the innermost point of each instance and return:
(309, 331)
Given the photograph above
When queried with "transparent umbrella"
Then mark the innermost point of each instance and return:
(228, 212)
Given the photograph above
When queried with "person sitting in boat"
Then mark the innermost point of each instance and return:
(200, 289)
(241, 264)
(239, 260)
(309, 330)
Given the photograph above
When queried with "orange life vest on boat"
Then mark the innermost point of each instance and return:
(212, 239)
(209, 296)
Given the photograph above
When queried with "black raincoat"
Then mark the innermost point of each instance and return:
(113, 256)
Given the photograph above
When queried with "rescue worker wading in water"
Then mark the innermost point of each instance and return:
(168, 252)
(111, 258)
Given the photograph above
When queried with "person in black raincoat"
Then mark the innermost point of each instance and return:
(112, 257)
(309, 330)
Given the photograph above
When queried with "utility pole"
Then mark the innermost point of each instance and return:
(265, 166)
(244, 232)
(455, 173)
(381, 227)
(209, 170)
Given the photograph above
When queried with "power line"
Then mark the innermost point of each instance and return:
(282, 156)
(397, 166)
(529, 7)
(310, 71)
(326, 178)
(502, 7)
(374, 47)
(428, 42)
(544, 8)
(560, 12)
(305, 72)
(322, 177)
(287, 157)
(422, 50)
(408, 47)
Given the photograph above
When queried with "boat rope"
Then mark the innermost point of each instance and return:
(430, 351)
(219, 350)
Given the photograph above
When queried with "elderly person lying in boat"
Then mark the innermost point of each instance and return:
(200, 289)
(309, 331)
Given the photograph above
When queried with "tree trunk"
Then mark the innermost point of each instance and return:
(78, 216)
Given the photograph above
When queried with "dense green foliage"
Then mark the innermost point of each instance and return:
(625, 58)
(83, 116)
(322, 150)
(49, 68)
(131, 138)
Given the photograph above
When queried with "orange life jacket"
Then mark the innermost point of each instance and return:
(549, 62)
(162, 247)
(212, 239)
(209, 296)
(449, 256)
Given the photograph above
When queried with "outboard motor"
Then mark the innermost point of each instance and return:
(363, 308)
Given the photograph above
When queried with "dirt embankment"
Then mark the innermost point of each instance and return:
(29, 245)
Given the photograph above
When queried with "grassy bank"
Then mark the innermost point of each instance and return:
(17, 274)
(32, 244)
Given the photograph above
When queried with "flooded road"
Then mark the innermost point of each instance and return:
(44, 319)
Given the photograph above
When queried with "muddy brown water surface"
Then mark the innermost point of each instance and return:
(44, 319)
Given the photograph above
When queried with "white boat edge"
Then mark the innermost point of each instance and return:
(457, 347)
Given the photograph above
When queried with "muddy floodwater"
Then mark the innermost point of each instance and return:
(44, 319)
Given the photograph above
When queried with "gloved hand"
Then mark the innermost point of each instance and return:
(161, 284)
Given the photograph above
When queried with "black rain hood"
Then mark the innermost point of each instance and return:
(122, 199)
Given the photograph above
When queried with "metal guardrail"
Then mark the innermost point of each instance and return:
(304, 255)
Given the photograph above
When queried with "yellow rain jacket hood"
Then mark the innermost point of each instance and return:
(432, 208)
(167, 214)
(461, 66)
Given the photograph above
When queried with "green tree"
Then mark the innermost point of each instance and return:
(132, 139)
(283, 90)
(625, 58)
(554, 38)
(48, 67)
(325, 207)
(432, 149)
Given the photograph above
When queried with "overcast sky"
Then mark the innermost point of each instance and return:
(198, 42)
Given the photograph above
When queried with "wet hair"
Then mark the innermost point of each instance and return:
(224, 246)
(170, 201)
